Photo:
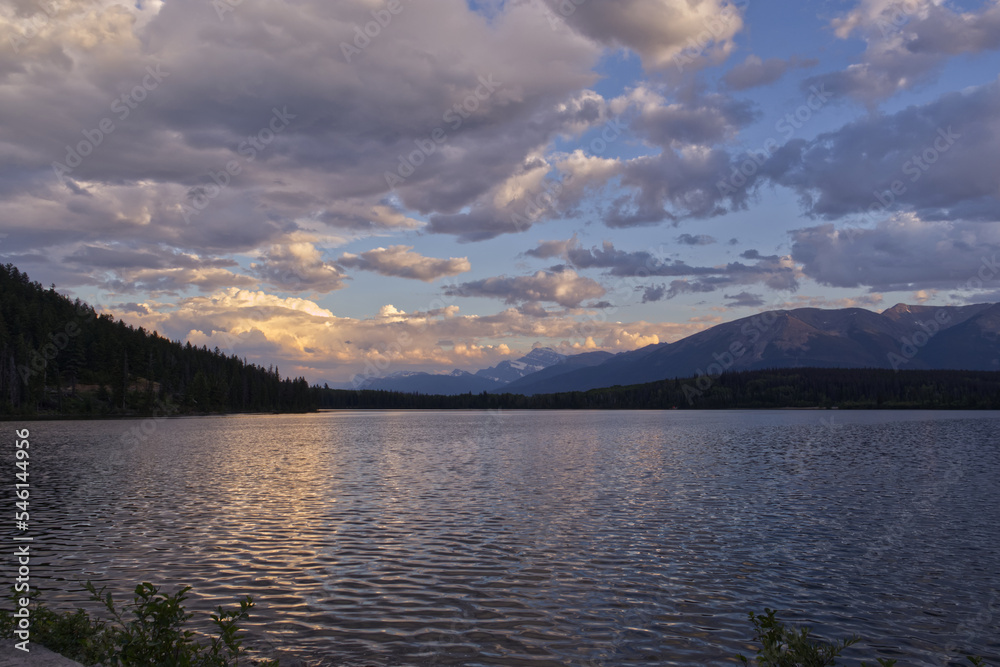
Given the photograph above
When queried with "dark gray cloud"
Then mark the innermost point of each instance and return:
(945, 31)
(700, 239)
(938, 160)
(755, 254)
(114, 256)
(744, 300)
(700, 286)
(778, 273)
(139, 308)
(672, 187)
(172, 282)
(629, 263)
(977, 297)
(130, 269)
(901, 254)
(483, 223)
(653, 293)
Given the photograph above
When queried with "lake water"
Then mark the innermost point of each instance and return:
(537, 538)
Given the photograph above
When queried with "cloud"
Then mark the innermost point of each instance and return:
(978, 297)
(700, 286)
(550, 249)
(673, 186)
(680, 181)
(525, 197)
(136, 268)
(904, 253)
(744, 300)
(350, 214)
(158, 282)
(197, 165)
(563, 287)
(333, 138)
(677, 183)
(398, 261)
(483, 223)
(700, 239)
(775, 272)
(618, 262)
(298, 267)
(938, 160)
(653, 293)
(693, 117)
(754, 72)
(907, 41)
(868, 301)
(755, 254)
(116, 256)
(663, 32)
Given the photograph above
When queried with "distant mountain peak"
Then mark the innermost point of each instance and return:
(898, 309)
(509, 371)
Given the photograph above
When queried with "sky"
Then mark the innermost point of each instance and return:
(363, 187)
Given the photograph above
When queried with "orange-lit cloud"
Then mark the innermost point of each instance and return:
(308, 339)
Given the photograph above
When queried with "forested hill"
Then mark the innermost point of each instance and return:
(60, 357)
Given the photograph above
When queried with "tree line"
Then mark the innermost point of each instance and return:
(778, 388)
(60, 357)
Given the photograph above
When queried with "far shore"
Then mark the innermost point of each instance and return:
(194, 415)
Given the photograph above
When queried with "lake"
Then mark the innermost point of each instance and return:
(537, 538)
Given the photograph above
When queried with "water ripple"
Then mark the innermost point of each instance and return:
(535, 539)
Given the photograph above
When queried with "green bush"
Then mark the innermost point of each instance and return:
(790, 647)
(72, 634)
(148, 632)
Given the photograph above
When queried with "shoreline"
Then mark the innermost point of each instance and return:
(872, 408)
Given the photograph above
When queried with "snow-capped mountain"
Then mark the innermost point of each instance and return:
(534, 361)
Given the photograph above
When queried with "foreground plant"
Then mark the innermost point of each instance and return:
(781, 646)
(148, 632)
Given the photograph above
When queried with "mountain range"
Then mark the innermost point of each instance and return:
(463, 382)
(903, 337)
